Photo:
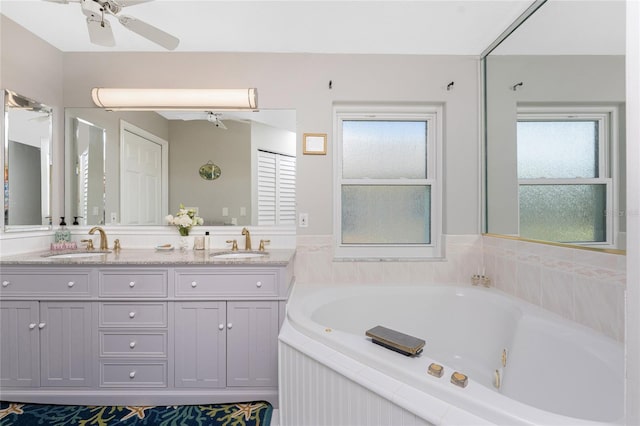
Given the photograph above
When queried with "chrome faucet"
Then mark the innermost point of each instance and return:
(104, 243)
(247, 240)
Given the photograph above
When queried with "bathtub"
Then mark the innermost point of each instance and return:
(556, 371)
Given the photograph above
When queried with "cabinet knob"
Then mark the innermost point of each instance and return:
(229, 325)
(132, 314)
(259, 284)
(220, 326)
(5, 283)
(71, 284)
(194, 284)
(32, 326)
(132, 375)
(42, 325)
(132, 344)
(132, 284)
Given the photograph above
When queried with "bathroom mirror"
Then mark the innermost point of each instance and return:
(27, 163)
(141, 165)
(554, 112)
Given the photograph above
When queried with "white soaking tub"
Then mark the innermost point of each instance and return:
(556, 372)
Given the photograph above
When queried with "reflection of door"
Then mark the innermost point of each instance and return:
(142, 177)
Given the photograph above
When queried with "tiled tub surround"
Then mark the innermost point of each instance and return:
(142, 327)
(582, 285)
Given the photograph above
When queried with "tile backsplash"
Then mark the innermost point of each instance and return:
(584, 286)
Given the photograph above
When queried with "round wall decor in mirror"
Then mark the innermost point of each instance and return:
(210, 171)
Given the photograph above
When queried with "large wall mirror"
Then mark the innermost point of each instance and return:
(555, 130)
(135, 167)
(27, 163)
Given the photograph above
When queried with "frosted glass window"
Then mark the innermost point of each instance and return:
(563, 213)
(384, 149)
(386, 214)
(557, 149)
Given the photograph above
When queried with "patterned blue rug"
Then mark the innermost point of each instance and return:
(257, 413)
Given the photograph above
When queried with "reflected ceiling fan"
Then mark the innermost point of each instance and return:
(214, 118)
(100, 31)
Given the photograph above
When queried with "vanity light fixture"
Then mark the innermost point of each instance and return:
(172, 99)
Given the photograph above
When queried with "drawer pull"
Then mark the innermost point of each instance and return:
(132, 344)
(220, 326)
(32, 326)
(71, 284)
(5, 283)
(259, 284)
(132, 284)
(194, 284)
(229, 326)
(42, 325)
(132, 375)
(132, 314)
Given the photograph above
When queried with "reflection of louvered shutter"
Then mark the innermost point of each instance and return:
(276, 189)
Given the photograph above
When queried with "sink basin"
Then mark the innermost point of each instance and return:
(77, 255)
(239, 255)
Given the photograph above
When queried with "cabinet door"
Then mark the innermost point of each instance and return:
(252, 343)
(19, 344)
(65, 335)
(200, 344)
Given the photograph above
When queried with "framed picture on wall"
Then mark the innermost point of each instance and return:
(314, 144)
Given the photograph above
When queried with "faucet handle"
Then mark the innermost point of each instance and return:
(116, 244)
(89, 243)
(262, 243)
(234, 246)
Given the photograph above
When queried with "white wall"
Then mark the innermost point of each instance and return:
(633, 217)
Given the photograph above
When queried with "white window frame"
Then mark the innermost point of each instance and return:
(433, 115)
(607, 118)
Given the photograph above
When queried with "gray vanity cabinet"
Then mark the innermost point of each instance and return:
(252, 343)
(19, 344)
(59, 330)
(232, 342)
(200, 344)
(45, 342)
(128, 334)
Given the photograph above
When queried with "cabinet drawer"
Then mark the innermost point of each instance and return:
(120, 344)
(126, 284)
(143, 314)
(133, 374)
(45, 283)
(250, 284)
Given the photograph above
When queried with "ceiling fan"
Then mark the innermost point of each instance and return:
(100, 32)
(214, 118)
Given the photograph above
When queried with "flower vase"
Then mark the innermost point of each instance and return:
(184, 238)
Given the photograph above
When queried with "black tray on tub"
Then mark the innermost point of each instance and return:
(395, 340)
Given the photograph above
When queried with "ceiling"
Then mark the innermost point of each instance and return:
(418, 27)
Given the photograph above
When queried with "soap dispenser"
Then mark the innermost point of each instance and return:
(63, 234)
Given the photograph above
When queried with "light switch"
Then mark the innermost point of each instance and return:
(225, 211)
(243, 211)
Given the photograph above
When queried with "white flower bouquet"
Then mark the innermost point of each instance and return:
(184, 220)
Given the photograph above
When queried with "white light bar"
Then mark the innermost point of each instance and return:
(159, 99)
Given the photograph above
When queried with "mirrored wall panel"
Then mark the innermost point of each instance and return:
(27, 163)
(134, 168)
(555, 142)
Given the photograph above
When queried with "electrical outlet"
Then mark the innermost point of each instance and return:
(225, 211)
(114, 217)
(303, 220)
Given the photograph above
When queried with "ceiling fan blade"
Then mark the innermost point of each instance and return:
(149, 32)
(62, 1)
(127, 3)
(100, 32)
